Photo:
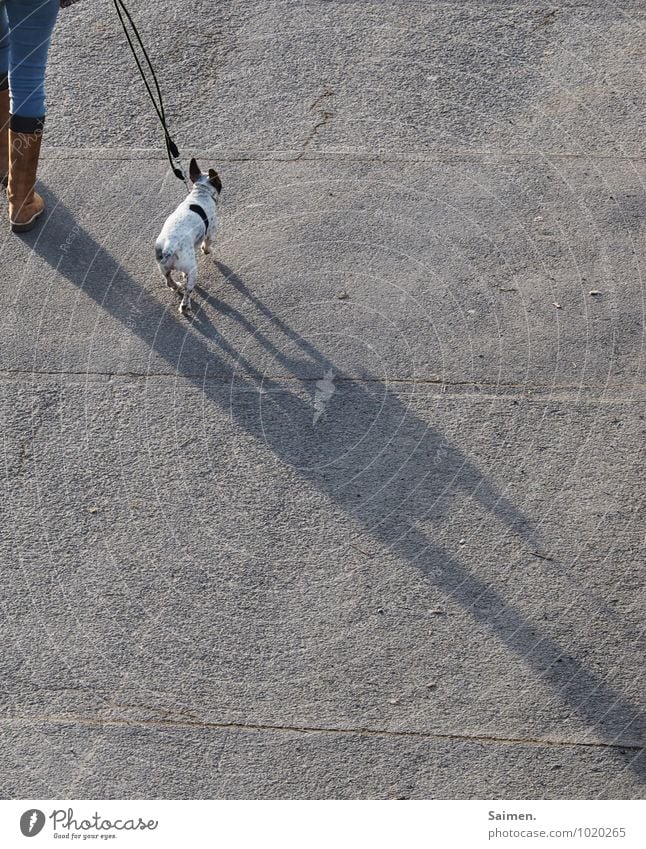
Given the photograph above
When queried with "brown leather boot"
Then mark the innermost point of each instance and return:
(25, 205)
(4, 135)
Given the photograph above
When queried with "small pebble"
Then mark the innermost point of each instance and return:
(437, 611)
(343, 296)
(92, 509)
(594, 292)
(393, 701)
(558, 306)
(431, 686)
(462, 542)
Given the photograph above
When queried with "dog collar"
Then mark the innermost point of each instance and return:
(195, 207)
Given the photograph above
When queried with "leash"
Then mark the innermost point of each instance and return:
(172, 150)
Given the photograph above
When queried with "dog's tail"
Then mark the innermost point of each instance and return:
(164, 254)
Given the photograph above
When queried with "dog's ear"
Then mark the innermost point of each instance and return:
(214, 180)
(194, 170)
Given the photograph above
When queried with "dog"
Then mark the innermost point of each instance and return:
(193, 222)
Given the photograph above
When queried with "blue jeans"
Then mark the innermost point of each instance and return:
(25, 31)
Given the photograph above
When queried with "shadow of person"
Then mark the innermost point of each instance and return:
(388, 469)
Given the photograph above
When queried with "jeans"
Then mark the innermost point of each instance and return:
(25, 31)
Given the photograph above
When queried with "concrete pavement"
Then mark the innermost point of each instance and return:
(371, 525)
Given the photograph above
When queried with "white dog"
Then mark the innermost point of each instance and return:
(194, 221)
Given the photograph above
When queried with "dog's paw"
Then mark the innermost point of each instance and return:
(206, 250)
(185, 310)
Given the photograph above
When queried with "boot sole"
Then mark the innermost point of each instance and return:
(24, 226)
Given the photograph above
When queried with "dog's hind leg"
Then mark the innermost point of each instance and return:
(206, 245)
(169, 281)
(167, 274)
(191, 280)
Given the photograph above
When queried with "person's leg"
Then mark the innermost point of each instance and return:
(31, 23)
(4, 95)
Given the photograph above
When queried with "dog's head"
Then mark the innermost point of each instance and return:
(210, 181)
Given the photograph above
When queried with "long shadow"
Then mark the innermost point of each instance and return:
(390, 477)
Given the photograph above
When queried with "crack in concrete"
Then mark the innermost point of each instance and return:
(483, 388)
(287, 156)
(73, 719)
(325, 117)
(327, 92)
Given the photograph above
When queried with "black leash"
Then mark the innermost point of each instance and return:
(171, 148)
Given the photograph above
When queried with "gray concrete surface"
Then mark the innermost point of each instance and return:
(227, 575)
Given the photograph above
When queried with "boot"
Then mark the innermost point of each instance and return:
(25, 205)
(4, 135)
